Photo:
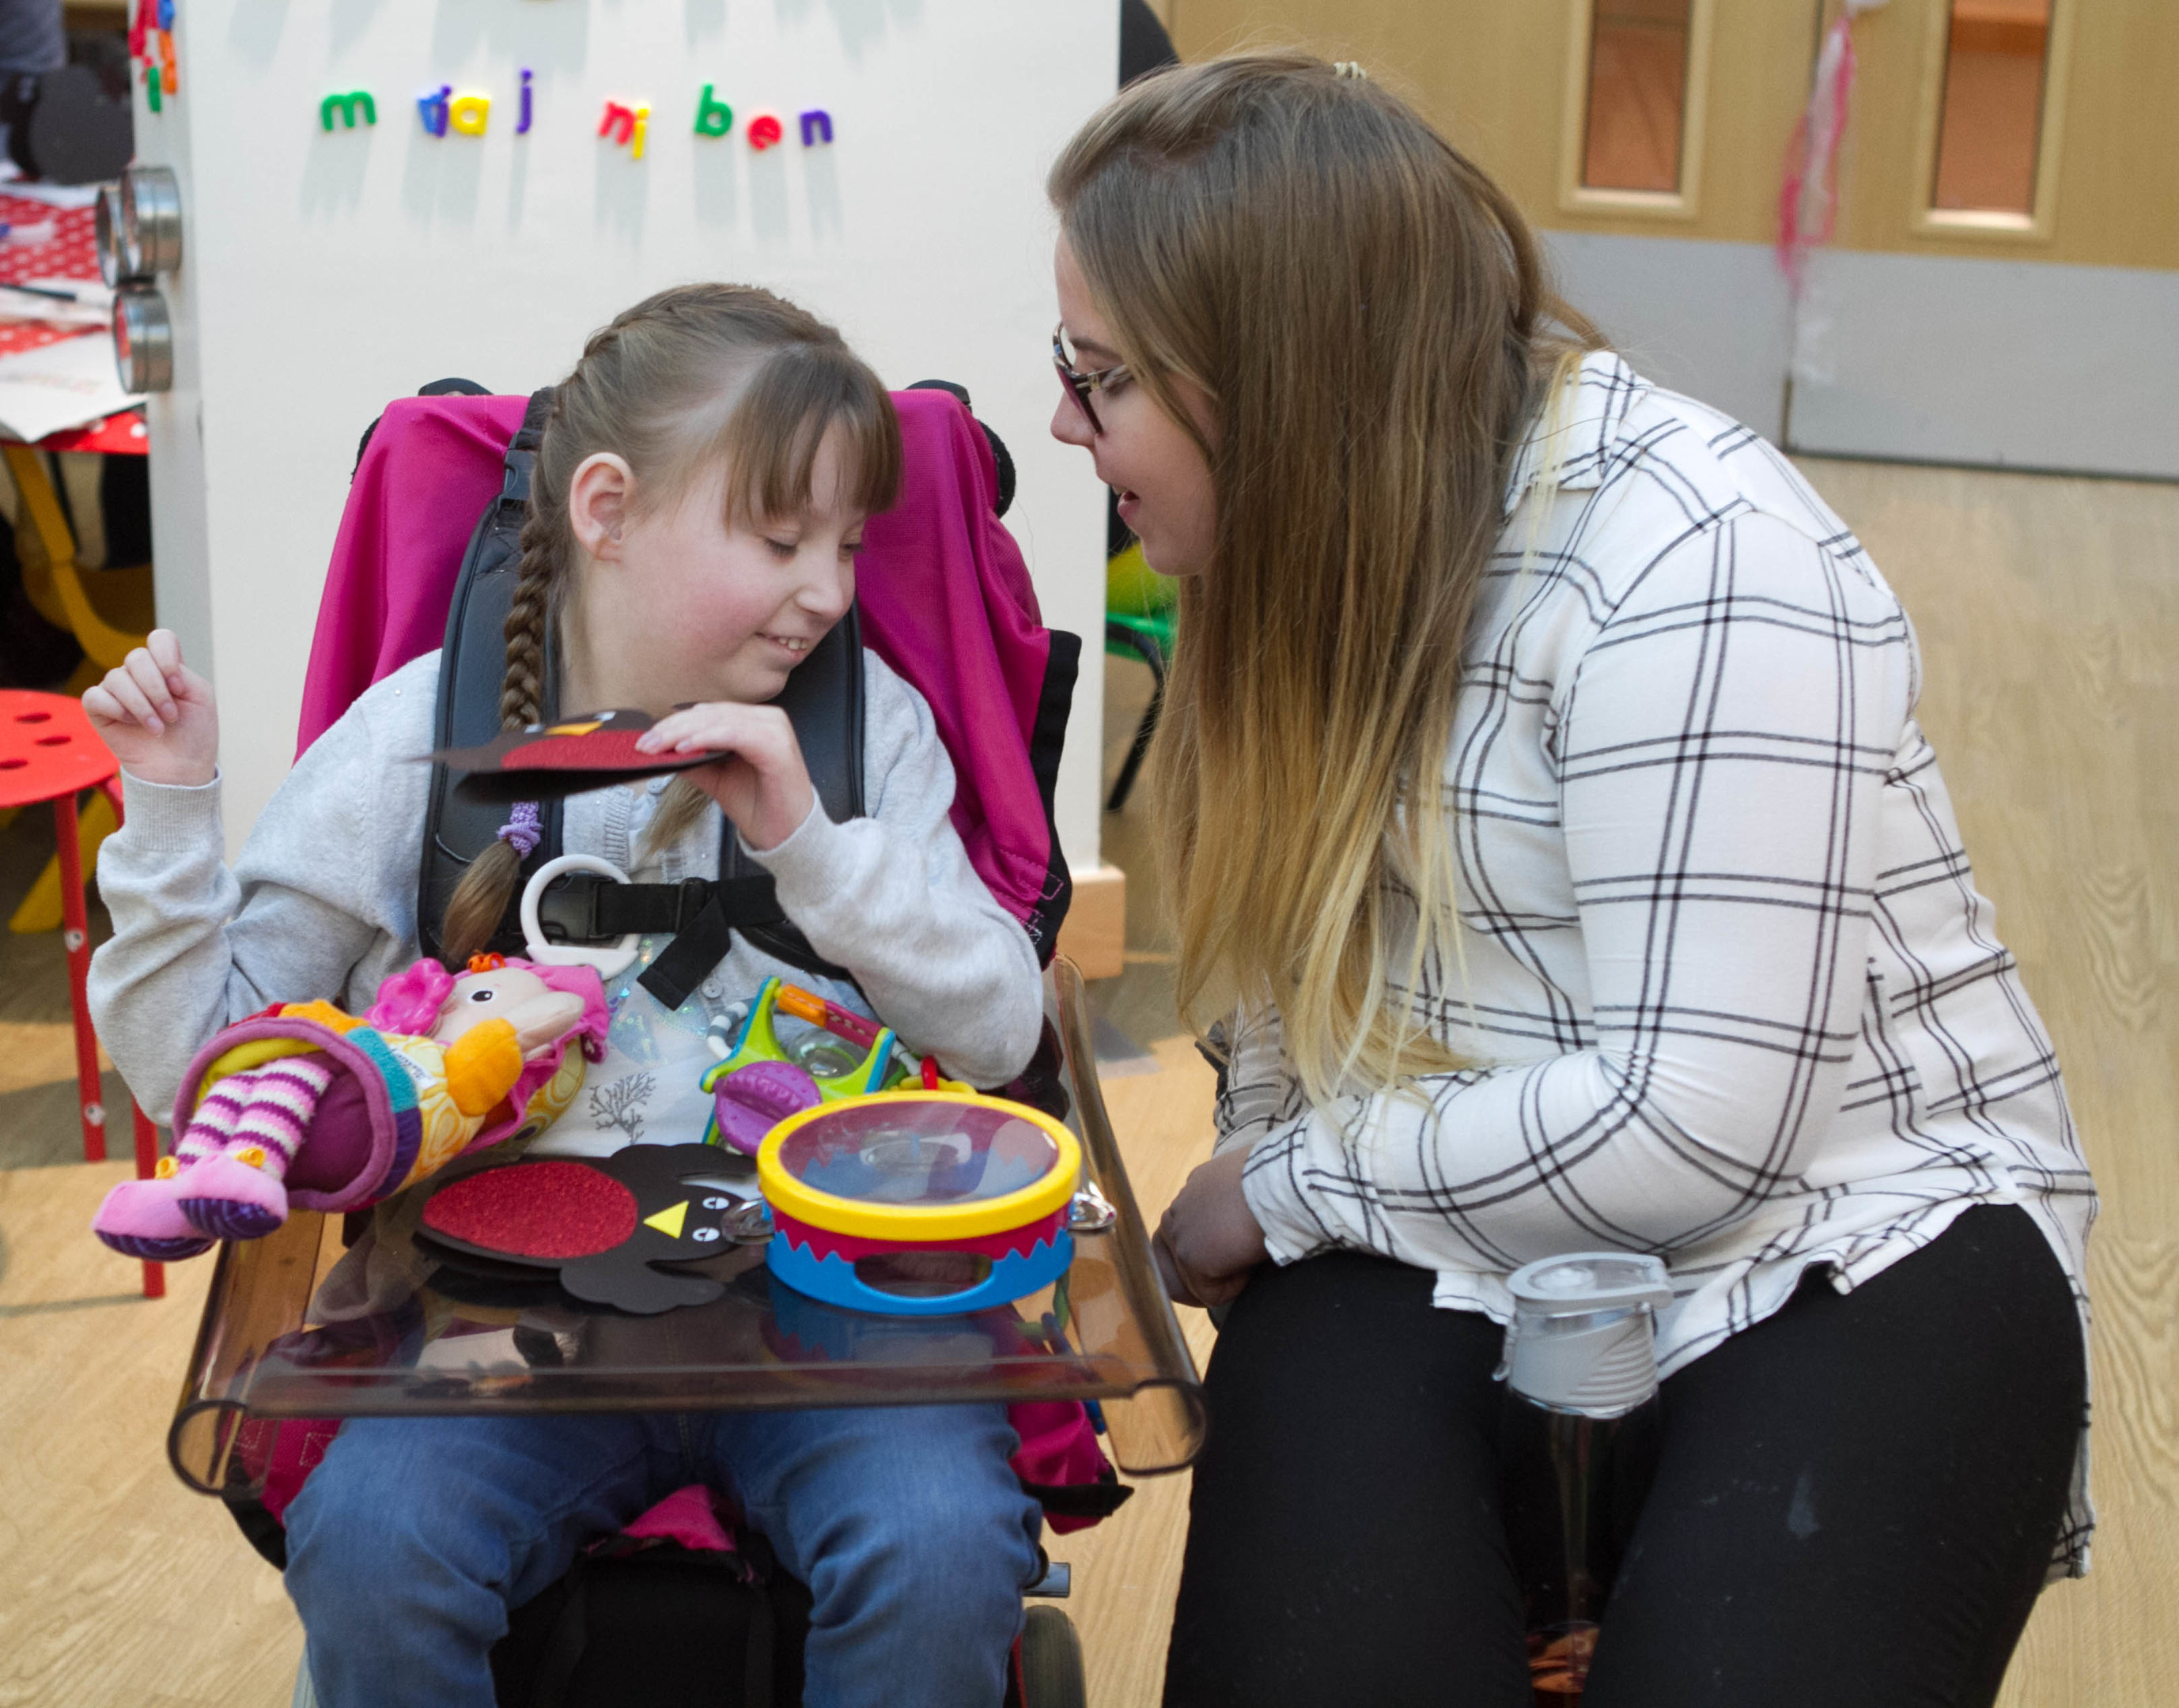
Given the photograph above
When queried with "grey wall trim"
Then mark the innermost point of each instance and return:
(2022, 363)
(1921, 358)
(1712, 320)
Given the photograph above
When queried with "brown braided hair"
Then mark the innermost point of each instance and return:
(683, 381)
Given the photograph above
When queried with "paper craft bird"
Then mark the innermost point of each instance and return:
(543, 762)
(601, 1223)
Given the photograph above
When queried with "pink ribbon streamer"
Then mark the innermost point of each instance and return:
(1807, 201)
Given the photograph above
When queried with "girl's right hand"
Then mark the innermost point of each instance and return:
(158, 715)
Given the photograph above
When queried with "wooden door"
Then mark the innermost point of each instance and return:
(2004, 286)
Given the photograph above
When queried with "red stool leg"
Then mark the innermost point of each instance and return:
(76, 933)
(147, 1159)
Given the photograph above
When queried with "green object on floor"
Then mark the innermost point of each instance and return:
(1140, 612)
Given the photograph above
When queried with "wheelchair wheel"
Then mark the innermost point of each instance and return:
(1052, 1661)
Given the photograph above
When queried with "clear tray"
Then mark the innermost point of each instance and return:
(397, 1333)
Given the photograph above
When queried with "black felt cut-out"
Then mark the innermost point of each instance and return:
(566, 1215)
(571, 755)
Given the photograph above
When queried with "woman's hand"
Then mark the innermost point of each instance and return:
(762, 784)
(158, 715)
(1210, 1242)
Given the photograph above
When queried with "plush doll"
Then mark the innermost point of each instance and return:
(307, 1106)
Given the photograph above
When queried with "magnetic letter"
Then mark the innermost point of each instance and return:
(469, 114)
(713, 118)
(816, 126)
(346, 106)
(151, 87)
(764, 131)
(432, 109)
(633, 123)
(522, 125)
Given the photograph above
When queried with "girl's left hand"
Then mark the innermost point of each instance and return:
(1209, 1239)
(762, 784)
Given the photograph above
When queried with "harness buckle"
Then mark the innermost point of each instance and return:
(567, 907)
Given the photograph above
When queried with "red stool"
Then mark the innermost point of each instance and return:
(49, 752)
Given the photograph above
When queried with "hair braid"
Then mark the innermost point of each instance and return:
(480, 900)
(522, 690)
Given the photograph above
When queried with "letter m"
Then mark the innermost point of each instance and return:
(346, 105)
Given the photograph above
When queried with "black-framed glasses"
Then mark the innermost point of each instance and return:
(1080, 385)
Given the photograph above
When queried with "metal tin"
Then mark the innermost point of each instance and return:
(116, 258)
(143, 340)
(151, 217)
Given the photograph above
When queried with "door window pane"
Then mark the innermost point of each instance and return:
(1637, 86)
(1993, 110)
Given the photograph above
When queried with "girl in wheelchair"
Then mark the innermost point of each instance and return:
(699, 497)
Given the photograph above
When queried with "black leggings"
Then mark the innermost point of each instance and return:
(1855, 1502)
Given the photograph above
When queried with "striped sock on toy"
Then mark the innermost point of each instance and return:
(282, 1096)
(236, 1193)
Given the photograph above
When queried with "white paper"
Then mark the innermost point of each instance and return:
(62, 195)
(65, 384)
(93, 305)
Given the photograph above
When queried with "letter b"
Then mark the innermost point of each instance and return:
(713, 118)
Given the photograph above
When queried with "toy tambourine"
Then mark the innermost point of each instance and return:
(919, 1203)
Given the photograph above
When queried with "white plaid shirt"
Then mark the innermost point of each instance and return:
(1741, 1003)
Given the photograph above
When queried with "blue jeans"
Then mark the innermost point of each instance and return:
(410, 1543)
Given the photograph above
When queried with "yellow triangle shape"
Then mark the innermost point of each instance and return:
(669, 1222)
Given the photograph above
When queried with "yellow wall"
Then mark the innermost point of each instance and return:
(2118, 166)
(1492, 74)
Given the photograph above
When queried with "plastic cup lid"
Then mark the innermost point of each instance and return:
(1585, 1281)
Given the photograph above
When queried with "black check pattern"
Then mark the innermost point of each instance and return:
(1738, 1000)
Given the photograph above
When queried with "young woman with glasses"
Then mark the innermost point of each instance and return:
(1553, 849)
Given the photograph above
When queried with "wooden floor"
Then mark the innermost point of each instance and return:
(2049, 614)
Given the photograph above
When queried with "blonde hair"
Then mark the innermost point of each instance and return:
(1370, 316)
(684, 383)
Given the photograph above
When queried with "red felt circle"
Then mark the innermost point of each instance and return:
(601, 750)
(537, 1210)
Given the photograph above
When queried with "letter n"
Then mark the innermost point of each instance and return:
(816, 126)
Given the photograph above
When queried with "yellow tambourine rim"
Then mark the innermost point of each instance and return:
(836, 1215)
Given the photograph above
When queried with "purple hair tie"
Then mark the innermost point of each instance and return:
(522, 828)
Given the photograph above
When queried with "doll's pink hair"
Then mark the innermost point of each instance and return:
(409, 1002)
